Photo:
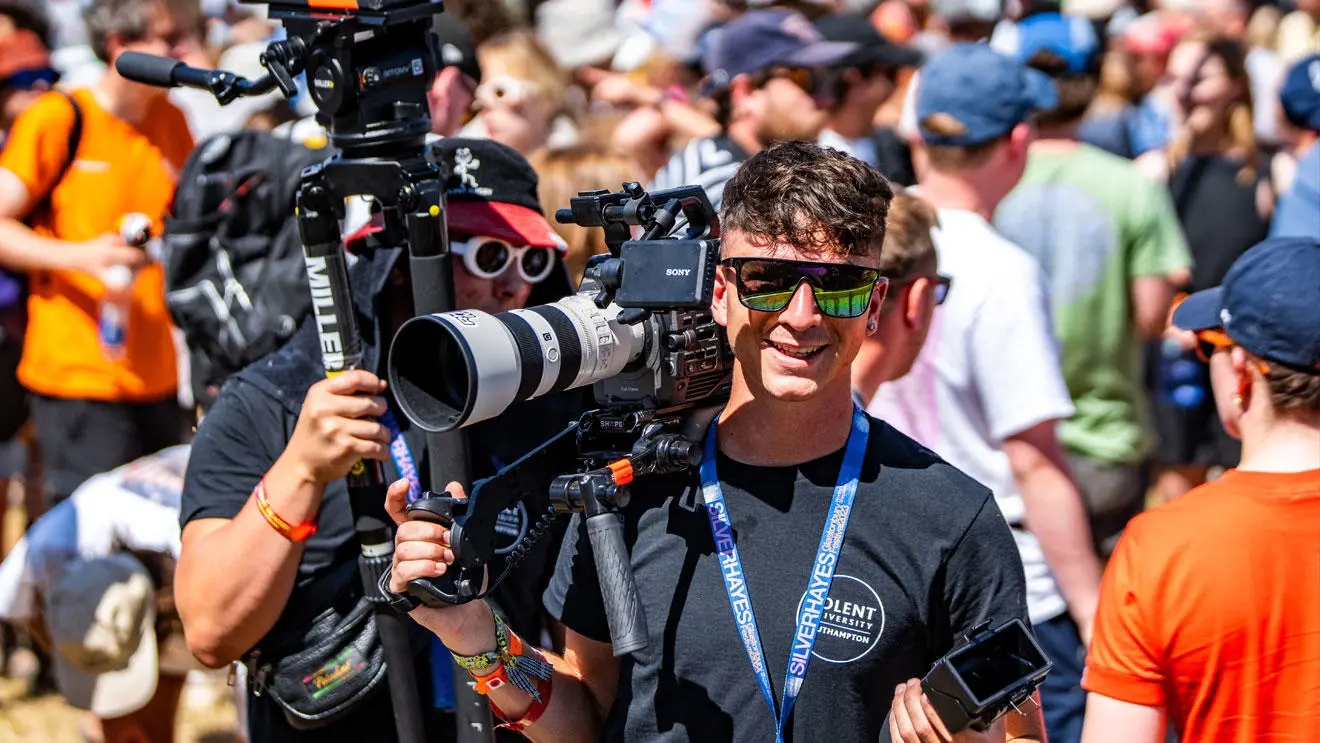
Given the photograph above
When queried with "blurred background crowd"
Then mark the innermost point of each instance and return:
(1214, 105)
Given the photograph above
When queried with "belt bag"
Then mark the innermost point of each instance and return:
(317, 670)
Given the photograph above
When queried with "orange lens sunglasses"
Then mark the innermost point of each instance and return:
(1212, 340)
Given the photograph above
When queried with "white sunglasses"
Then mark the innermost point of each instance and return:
(488, 257)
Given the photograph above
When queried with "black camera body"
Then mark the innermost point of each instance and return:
(639, 327)
(989, 672)
(640, 330)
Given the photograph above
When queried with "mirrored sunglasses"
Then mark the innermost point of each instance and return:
(841, 290)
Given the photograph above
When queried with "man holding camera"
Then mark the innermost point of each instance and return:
(267, 523)
(927, 557)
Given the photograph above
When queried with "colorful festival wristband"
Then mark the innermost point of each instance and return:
(298, 533)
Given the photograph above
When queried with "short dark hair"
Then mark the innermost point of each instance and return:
(1076, 90)
(810, 197)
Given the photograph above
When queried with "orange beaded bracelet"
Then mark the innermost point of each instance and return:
(297, 533)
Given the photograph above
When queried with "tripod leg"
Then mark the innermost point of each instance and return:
(341, 350)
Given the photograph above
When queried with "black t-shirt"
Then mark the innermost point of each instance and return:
(927, 556)
(1219, 214)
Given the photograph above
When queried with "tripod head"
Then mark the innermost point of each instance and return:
(368, 64)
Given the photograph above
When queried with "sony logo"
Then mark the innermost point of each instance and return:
(678, 271)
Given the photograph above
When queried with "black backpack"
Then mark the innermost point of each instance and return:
(235, 280)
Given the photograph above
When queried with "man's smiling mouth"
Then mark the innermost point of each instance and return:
(797, 352)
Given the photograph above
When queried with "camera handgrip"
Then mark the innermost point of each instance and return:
(443, 590)
(618, 589)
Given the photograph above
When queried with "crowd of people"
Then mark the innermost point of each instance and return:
(1057, 359)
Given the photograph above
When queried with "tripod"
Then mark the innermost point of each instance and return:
(369, 71)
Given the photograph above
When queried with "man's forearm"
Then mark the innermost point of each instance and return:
(1057, 517)
(572, 714)
(21, 249)
(233, 583)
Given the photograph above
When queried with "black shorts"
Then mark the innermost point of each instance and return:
(81, 438)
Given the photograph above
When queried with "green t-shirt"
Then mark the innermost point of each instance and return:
(1094, 223)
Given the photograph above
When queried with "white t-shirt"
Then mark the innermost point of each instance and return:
(990, 369)
(135, 506)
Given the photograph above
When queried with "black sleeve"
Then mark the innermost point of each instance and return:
(573, 596)
(237, 441)
(982, 578)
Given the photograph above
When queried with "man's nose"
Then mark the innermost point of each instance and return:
(801, 311)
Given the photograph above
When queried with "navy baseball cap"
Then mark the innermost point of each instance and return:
(1300, 94)
(987, 92)
(1071, 37)
(1269, 303)
(760, 39)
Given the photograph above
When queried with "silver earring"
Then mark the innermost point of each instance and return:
(871, 327)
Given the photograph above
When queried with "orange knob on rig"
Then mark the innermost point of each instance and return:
(623, 471)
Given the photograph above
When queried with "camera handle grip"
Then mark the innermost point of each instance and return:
(618, 589)
(447, 589)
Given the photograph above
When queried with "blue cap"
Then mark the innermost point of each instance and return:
(1269, 302)
(1071, 37)
(988, 92)
(760, 39)
(1300, 94)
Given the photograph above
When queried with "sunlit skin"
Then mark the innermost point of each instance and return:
(787, 112)
(769, 345)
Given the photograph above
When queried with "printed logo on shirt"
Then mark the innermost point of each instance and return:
(510, 526)
(852, 621)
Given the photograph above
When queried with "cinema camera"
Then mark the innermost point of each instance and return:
(639, 329)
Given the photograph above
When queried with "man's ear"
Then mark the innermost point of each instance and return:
(917, 305)
(741, 91)
(114, 46)
(877, 303)
(719, 298)
(1020, 139)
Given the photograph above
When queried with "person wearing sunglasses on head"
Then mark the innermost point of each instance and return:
(768, 74)
(282, 432)
(908, 260)
(1208, 620)
(987, 391)
(816, 553)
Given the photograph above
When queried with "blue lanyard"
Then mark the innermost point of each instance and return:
(442, 674)
(822, 574)
(402, 455)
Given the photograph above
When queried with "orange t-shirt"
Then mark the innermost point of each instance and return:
(119, 168)
(1210, 608)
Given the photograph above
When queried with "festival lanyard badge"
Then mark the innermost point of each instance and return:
(822, 574)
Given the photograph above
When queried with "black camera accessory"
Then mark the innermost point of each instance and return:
(989, 672)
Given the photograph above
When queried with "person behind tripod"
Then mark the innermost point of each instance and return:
(282, 433)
